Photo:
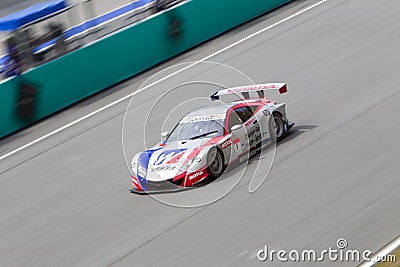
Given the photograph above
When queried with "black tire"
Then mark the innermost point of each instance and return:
(215, 164)
(276, 127)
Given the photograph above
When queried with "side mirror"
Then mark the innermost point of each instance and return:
(164, 136)
(236, 127)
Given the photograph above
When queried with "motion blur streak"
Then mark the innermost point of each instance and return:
(159, 81)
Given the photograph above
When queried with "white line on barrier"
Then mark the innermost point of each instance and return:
(163, 79)
(383, 252)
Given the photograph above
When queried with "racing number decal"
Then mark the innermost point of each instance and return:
(236, 142)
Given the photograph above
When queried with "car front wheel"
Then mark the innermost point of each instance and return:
(215, 163)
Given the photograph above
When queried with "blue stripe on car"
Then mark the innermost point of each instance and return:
(144, 159)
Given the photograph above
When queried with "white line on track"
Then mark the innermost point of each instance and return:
(383, 252)
(163, 79)
(242, 253)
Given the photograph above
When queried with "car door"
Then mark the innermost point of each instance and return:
(262, 115)
(245, 114)
(239, 138)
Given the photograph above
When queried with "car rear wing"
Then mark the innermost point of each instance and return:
(245, 90)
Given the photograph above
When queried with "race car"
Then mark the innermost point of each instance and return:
(209, 139)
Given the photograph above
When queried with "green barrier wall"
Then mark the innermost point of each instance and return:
(95, 67)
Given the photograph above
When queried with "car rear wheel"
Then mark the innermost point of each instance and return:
(276, 127)
(215, 164)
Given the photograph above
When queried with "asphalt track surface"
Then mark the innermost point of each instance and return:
(65, 200)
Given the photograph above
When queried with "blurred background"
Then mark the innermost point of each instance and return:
(36, 31)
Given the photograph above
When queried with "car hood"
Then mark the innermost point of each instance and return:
(170, 159)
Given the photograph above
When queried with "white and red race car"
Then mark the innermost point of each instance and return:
(207, 140)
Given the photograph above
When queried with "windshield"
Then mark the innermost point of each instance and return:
(197, 129)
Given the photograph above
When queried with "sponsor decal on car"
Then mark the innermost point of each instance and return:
(195, 177)
(245, 146)
(226, 143)
(175, 158)
(251, 88)
(250, 121)
(164, 167)
(211, 117)
(166, 156)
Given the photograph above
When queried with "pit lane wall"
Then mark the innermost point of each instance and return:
(79, 74)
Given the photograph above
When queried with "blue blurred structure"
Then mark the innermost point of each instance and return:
(90, 24)
(12, 63)
(39, 11)
(34, 51)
